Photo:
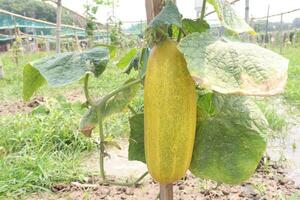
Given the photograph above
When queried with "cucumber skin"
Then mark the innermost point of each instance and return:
(170, 113)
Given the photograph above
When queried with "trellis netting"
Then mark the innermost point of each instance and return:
(37, 27)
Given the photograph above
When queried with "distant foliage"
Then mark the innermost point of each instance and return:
(38, 10)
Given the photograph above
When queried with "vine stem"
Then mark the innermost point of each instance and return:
(102, 140)
(134, 183)
(100, 105)
(120, 89)
(86, 90)
(203, 10)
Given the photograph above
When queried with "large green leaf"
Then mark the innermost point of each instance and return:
(169, 15)
(233, 67)
(136, 139)
(143, 62)
(63, 69)
(134, 63)
(230, 138)
(32, 81)
(191, 26)
(126, 59)
(160, 27)
(229, 18)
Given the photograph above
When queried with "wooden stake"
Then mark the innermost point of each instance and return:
(166, 192)
(58, 25)
(281, 34)
(267, 27)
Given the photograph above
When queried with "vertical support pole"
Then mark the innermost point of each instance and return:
(281, 34)
(203, 10)
(267, 27)
(58, 26)
(107, 34)
(247, 8)
(153, 7)
(246, 36)
(166, 192)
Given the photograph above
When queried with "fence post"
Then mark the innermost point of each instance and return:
(267, 27)
(58, 25)
(281, 33)
(247, 8)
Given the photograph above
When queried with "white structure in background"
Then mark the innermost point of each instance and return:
(198, 7)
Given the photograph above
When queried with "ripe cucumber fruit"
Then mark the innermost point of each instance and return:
(170, 113)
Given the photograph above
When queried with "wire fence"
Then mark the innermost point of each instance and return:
(274, 30)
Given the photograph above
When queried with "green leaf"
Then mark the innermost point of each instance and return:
(126, 59)
(233, 67)
(136, 140)
(134, 63)
(229, 18)
(88, 122)
(143, 62)
(169, 15)
(191, 26)
(32, 81)
(63, 69)
(229, 141)
(121, 100)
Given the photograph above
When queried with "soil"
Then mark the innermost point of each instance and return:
(270, 182)
(16, 107)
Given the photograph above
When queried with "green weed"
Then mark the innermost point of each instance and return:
(41, 148)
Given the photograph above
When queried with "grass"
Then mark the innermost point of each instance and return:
(44, 147)
(292, 92)
(41, 148)
(11, 84)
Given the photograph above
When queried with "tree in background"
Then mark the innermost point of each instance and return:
(91, 10)
(39, 10)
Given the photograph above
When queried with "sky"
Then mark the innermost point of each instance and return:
(134, 10)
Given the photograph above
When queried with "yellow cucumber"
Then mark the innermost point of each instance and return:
(170, 113)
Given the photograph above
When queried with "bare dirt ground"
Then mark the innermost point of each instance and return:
(268, 183)
(20, 106)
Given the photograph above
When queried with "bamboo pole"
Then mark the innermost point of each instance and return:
(267, 27)
(166, 192)
(247, 8)
(58, 26)
(281, 34)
